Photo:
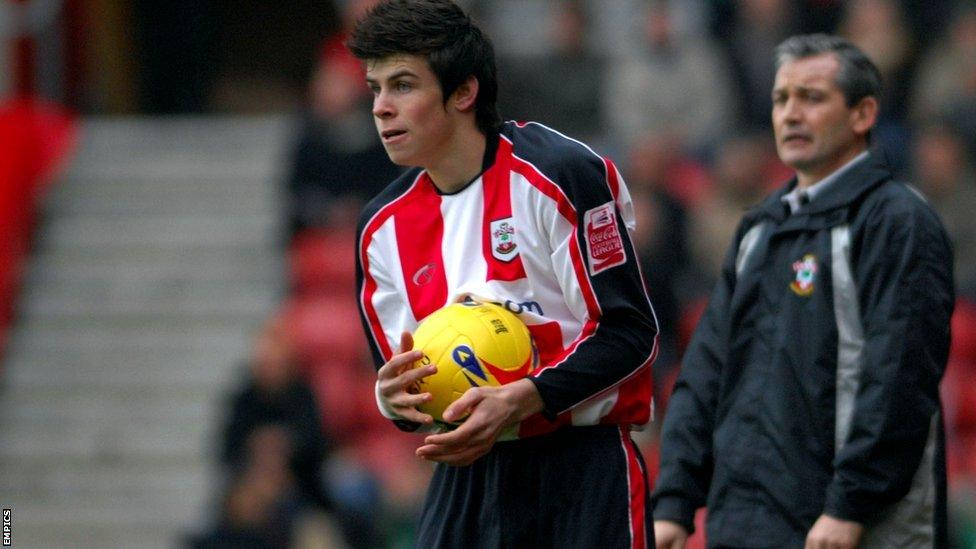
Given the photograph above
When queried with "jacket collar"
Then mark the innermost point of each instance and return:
(853, 183)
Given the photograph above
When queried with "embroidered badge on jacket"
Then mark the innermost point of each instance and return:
(503, 246)
(806, 274)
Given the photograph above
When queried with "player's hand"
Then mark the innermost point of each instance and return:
(492, 410)
(834, 533)
(669, 535)
(397, 377)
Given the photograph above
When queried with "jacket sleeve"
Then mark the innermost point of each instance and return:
(595, 261)
(686, 436)
(902, 268)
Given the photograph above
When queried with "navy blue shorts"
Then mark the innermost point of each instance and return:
(580, 487)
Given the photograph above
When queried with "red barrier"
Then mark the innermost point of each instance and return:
(35, 139)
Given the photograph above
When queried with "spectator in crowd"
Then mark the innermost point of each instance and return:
(661, 234)
(276, 408)
(655, 89)
(741, 177)
(248, 517)
(944, 172)
(880, 29)
(338, 162)
(807, 411)
(566, 94)
(261, 507)
(946, 81)
(757, 26)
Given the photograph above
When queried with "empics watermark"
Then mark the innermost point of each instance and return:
(7, 529)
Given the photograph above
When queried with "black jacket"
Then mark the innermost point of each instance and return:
(812, 382)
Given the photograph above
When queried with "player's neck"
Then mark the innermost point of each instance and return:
(461, 161)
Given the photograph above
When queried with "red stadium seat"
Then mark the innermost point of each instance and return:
(345, 394)
(326, 326)
(698, 540)
(323, 260)
(964, 331)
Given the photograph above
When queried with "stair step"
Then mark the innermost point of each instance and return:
(85, 186)
(98, 477)
(111, 436)
(158, 256)
(159, 339)
(100, 190)
(161, 230)
(204, 262)
(162, 300)
(122, 369)
(176, 166)
(107, 135)
(170, 512)
(143, 404)
(198, 204)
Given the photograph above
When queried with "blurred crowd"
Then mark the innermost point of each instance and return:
(678, 94)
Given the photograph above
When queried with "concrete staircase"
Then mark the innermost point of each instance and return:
(158, 257)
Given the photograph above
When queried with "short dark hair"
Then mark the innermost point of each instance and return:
(857, 78)
(439, 31)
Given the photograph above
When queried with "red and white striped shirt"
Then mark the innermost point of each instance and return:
(544, 231)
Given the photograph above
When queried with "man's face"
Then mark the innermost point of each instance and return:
(816, 133)
(409, 110)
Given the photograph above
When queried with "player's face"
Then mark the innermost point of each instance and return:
(409, 110)
(816, 133)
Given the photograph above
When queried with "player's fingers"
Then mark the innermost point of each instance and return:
(407, 400)
(413, 375)
(406, 342)
(395, 365)
(451, 439)
(404, 383)
(462, 456)
(411, 414)
(467, 434)
(463, 405)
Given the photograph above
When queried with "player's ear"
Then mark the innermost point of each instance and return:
(466, 94)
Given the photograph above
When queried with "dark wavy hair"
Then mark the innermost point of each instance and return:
(858, 76)
(439, 31)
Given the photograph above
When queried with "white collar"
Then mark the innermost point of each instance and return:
(798, 197)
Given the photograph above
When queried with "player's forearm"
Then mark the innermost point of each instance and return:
(614, 353)
(526, 398)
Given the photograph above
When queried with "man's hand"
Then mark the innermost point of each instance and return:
(397, 377)
(492, 409)
(669, 535)
(834, 533)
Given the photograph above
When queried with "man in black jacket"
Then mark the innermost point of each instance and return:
(807, 411)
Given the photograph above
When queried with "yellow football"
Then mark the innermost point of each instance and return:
(473, 345)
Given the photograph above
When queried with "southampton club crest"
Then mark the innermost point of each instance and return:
(503, 246)
(806, 274)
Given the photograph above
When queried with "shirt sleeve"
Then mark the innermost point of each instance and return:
(596, 264)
